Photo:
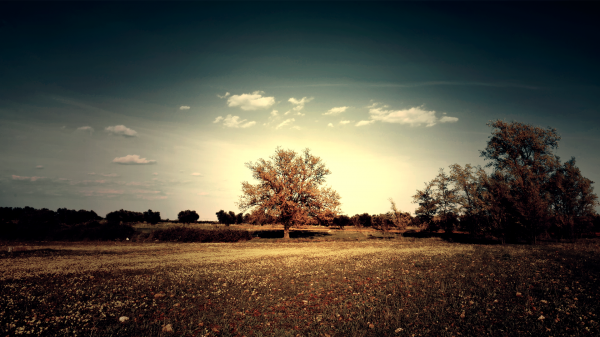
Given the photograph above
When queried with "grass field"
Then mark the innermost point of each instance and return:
(306, 287)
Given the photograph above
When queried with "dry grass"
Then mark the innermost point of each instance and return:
(337, 288)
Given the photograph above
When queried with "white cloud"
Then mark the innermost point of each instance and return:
(226, 94)
(155, 173)
(330, 125)
(447, 119)
(234, 122)
(184, 107)
(109, 174)
(299, 104)
(344, 122)
(197, 174)
(361, 123)
(296, 127)
(92, 173)
(203, 193)
(39, 167)
(87, 129)
(336, 111)
(133, 159)
(121, 130)
(288, 112)
(413, 116)
(285, 122)
(274, 113)
(251, 101)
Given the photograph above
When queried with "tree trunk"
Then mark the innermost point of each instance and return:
(286, 232)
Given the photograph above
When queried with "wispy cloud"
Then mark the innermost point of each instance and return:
(85, 129)
(133, 159)
(344, 122)
(23, 178)
(39, 167)
(330, 125)
(203, 193)
(447, 119)
(336, 111)
(234, 122)
(362, 123)
(251, 101)
(184, 107)
(197, 174)
(226, 94)
(121, 130)
(285, 122)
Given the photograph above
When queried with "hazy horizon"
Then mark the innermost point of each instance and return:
(137, 106)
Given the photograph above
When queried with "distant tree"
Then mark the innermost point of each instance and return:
(523, 153)
(246, 218)
(446, 195)
(72, 217)
(325, 218)
(239, 218)
(400, 220)
(124, 217)
(226, 218)
(355, 220)
(232, 217)
(383, 222)
(469, 192)
(428, 204)
(288, 188)
(365, 220)
(188, 216)
(152, 217)
(341, 221)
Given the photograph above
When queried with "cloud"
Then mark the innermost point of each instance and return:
(296, 127)
(22, 178)
(344, 122)
(330, 125)
(39, 167)
(109, 174)
(203, 193)
(413, 116)
(133, 159)
(86, 129)
(447, 119)
(274, 113)
(251, 101)
(226, 94)
(155, 173)
(184, 107)
(152, 197)
(285, 122)
(234, 122)
(361, 123)
(336, 111)
(299, 104)
(121, 130)
(197, 174)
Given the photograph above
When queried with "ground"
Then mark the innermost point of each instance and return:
(308, 287)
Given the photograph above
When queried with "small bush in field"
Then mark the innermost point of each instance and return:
(184, 234)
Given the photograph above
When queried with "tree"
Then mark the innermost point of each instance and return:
(365, 220)
(123, 216)
(573, 199)
(428, 204)
(152, 217)
(524, 154)
(400, 219)
(289, 188)
(341, 221)
(239, 218)
(469, 193)
(447, 198)
(188, 216)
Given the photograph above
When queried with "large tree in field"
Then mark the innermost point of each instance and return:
(428, 204)
(523, 153)
(289, 189)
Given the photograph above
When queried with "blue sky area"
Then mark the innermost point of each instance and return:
(158, 106)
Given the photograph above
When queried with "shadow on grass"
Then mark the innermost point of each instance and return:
(278, 234)
(452, 237)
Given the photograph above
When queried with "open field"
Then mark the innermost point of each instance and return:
(420, 287)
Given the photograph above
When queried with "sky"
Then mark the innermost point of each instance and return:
(137, 106)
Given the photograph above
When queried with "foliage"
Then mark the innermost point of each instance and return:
(94, 230)
(289, 189)
(123, 216)
(226, 218)
(428, 205)
(341, 221)
(185, 234)
(188, 216)
(152, 217)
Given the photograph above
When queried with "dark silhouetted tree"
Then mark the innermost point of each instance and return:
(152, 217)
(188, 216)
(341, 221)
(288, 188)
(428, 205)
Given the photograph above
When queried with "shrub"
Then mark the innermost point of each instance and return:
(184, 234)
(188, 216)
(94, 230)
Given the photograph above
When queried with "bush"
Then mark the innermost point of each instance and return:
(184, 234)
(188, 216)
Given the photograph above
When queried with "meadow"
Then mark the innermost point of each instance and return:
(347, 284)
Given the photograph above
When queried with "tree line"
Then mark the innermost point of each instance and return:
(528, 194)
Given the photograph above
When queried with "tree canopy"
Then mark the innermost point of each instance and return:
(289, 189)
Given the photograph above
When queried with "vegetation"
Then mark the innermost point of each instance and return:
(288, 190)
(528, 195)
(184, 234)
(188, 216)
(422, 287)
